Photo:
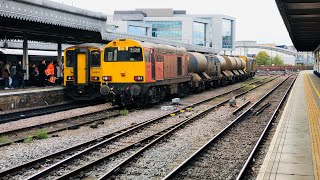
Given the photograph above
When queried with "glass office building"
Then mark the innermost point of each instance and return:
(171, 30)
(199, 33)
(208, 30)
(136, 30)
(226, 33)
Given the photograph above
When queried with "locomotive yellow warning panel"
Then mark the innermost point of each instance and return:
(82, 70)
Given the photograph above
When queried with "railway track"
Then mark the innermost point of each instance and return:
(228, 153)
(18, 135)
(66, 163)
(14, 116)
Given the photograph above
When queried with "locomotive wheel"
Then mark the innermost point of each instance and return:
(142, 101)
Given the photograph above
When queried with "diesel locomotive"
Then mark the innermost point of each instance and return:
(140, 73)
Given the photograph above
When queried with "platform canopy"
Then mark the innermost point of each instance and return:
(302, 19)
(48, 21)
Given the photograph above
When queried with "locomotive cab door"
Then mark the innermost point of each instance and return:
(153, 65)
(179, 66)
(81, 68)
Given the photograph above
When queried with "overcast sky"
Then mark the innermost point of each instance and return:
(257, 20)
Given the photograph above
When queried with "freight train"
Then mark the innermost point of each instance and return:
(140, 73)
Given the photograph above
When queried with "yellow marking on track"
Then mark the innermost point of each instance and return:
(313, 116)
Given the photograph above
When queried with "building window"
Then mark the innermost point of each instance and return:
(227, 33)
(171, 30)
(199, 34)
(136, 30)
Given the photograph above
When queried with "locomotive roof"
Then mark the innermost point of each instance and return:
(163, 47)
(100, 46)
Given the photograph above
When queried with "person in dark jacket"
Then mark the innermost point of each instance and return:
(34, 73)
(20, 76)
(42, 75)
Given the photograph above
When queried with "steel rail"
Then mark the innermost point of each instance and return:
(261, 109)
(14, 116)
(193, 156)
(50, 124)
(241, 107)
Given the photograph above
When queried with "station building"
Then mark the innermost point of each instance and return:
(209, 30)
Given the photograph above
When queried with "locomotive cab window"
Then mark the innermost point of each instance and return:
(70, 58)
(95, 58)
(131, 54)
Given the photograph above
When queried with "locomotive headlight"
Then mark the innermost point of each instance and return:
(107, 78)
(69, 78)
(94, 78)
(138, 78)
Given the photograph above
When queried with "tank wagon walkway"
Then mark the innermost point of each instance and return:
(294, 152)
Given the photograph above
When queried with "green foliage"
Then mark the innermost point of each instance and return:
(277, 60)
(249, 87)
(41, 134)
(28, 139)
(3, 140)
(263, 58)
(124, 112)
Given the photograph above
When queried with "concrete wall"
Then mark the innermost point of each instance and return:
(29, 100)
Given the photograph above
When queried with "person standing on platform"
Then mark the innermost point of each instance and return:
(50, 74)
(1, 67)
(20, 75)
(13, 72)
(6, 68)
(42, 75)
(59, 74)
(34, 72)
(5, 75)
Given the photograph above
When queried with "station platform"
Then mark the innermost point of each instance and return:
(14, 99)
(294, 152)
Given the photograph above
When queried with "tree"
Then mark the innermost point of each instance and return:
(263, 58)
(277, 60)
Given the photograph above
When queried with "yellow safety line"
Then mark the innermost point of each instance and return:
(314, 87)
(313, 116)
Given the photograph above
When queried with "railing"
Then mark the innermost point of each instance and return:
(283, 68)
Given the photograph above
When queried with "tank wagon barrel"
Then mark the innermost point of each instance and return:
(197, 63)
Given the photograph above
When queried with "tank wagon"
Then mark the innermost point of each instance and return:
(250, 67)
(135, 72)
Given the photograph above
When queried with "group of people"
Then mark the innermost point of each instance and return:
(13, 76)
(39, 75)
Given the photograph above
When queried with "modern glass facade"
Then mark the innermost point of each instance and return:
(227, 33)
(199, 33)
(171, 30)
(136, 30)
